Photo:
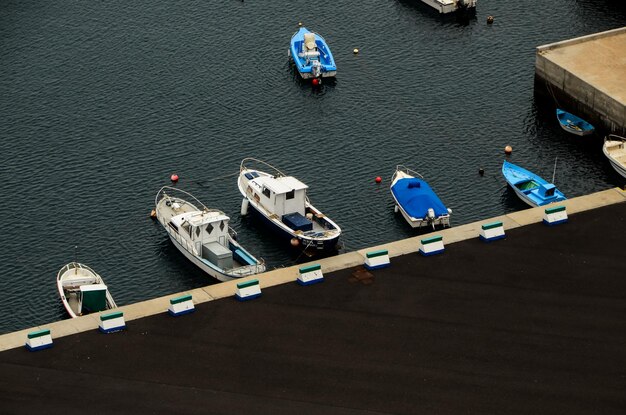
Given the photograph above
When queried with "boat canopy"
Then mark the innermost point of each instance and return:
(198, 218)
(281, 185)
(92, 298)
(416, 197)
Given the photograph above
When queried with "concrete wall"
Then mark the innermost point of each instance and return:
(602, 110)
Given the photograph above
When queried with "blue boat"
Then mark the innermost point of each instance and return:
(573, 124)
(312, 55)
(532, 189)
(419, 204)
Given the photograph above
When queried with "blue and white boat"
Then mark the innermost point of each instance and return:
(281, 202)
(573, 124)
(417, 202)
(531, 188)
(204, 236)
(311, 55)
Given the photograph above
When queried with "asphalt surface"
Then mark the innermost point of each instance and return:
(534, 323)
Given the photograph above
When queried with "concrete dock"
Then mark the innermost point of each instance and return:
(587, 76)
(533, 323)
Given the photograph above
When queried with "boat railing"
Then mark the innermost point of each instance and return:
(245, 270)
(76, 266)
(402, 167)
(615, 137)
(162, 193)
(185, 244)
(251, 160)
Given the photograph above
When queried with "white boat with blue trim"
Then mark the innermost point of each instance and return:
(311, 55)
(531, 188)
(204, 236)
(82, 290)
(417, 202)
(281, 202)
(614, 149)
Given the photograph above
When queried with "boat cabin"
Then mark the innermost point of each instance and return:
(207, 232)
(547, 190)
(92, 298)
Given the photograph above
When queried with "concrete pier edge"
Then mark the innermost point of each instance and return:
(289, 274)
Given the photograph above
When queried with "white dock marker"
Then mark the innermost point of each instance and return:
(431, 246)
(492, 231)
(112, 322)
(377, 259)
(310, 275)
(38, 340)
(555, 215)
(248, 290)
(181, 305)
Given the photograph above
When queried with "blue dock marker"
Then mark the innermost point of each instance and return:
(377, 259)
(310, 275)
(39, 340)
(248, 290)
(112, 322)
(431, 246)
(555, 215)
(181, 305)
(492, 231)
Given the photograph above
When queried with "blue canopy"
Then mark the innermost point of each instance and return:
(416, 197)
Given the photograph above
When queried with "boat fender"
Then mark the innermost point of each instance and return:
(244, 207)
(295, 242)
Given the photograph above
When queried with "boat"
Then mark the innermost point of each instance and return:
(531, 188)
(82, 290)
(614, 149)
(311, 55)
(204, 236)
(416, 200)
(451, 6)
(281, 202)
(573, 124)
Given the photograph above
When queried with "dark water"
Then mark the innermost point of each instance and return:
(101, 101)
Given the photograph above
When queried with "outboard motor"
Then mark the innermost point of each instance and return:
(316, 69)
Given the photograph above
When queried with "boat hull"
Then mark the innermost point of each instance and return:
(69, 298)
(529, 187)
(417, 216)
(304, 64)
(239, 262)
(573, 124)
(326, 246)
(615, 152)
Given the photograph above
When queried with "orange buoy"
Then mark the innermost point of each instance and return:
(378, 179)
(508, 149)
(174, 177)
(489, 19)
(295, 242)
(153, 214)
(355, 51)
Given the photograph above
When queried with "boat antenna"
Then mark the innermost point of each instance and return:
(554, 172)
(75, 259)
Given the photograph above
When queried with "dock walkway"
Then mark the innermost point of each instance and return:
(533, 323)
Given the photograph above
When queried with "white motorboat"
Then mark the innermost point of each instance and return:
(614, 149)
(204, 236)
(82, 290)
(282, 203)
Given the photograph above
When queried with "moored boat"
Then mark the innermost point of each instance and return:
(204, 236)
(451, 6)
(282, 203)
(311, 55)
(416, 200)
(530, 187)
(573, 124)
(614, 148)
(82, 290)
